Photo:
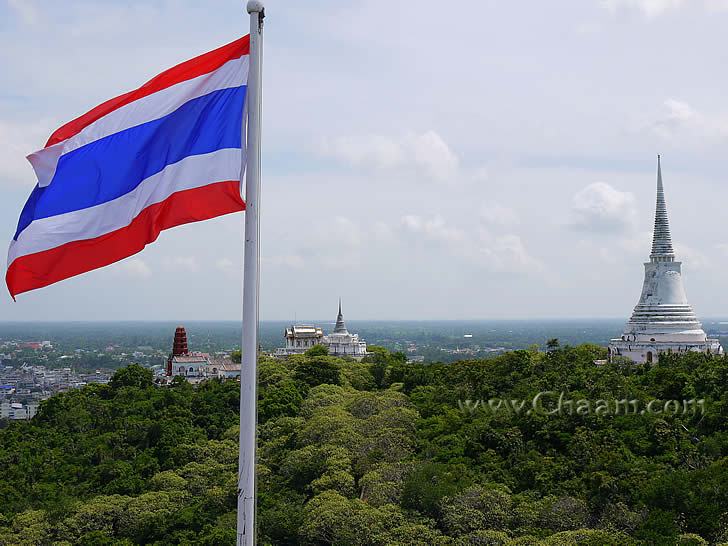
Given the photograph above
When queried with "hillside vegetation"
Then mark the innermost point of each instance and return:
(380, 452)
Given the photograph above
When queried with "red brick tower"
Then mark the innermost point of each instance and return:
(180, 342)
(179, 348)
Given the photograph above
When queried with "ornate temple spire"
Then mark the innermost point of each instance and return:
(340, 327)
(179, 347)
(662, 250)
(663, 321)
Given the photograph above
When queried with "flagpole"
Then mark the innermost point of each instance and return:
(246, 523)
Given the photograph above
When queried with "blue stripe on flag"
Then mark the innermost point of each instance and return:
(113, 166)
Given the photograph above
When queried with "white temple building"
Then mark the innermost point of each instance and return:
(300, 339)
(663, 321)
(341, 343)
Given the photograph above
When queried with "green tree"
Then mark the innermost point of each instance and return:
(317, 370)
(132, 376)
(317, 350)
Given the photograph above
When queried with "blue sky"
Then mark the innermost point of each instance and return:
(495, 161)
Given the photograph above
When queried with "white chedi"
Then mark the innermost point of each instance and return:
(663, 321)
(342, 343)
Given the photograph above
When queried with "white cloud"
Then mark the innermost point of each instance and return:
(337, 244)
(480, 174)
(433, 229)
(678, 118)
(505, 253)
(382, 232)
(492, 252)
(482, 111)
(649, 8)
(654, 8)
(425, 154)
(587, 29)
(135, 268)
(433, 156)
(601, 207)
(630, 249)
(17, 140)
(692, 258)
(341, 261)
(637, 244)
(342, 232)
(497, 214)
(225, 265)
(375, 151)
(286, 261)
(188, 264)
(717, 5)
(722, 248)
(328, 243)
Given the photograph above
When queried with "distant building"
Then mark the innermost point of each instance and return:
(195, 366)
(663, 321)
(36, 345)
(300, 339)
(341, 343)
(18, 411)
(182, 362)
(224, 369)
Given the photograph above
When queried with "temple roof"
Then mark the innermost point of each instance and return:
(662, 242)
(301, 331)
(340, 327)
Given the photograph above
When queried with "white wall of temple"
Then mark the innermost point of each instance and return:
(653, 335)
(295, 343)
(649, 352)
(189, 369)
(345, 344)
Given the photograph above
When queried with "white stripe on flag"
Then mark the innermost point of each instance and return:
(191, 172)
(234, 73)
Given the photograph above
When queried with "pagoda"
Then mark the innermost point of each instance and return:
(339, 342)
(663, 321)
(183, 362)
(342, 343)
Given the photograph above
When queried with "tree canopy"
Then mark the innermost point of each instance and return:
(380, 452)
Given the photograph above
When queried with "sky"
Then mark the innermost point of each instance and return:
(421, 159)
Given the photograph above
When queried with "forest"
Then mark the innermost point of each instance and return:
(379, 452)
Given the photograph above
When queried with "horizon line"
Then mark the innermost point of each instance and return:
(193, 320)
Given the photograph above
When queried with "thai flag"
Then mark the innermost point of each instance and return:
(165, 154)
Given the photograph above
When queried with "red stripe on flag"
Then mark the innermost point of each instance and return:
(203, 64)
(50, 266)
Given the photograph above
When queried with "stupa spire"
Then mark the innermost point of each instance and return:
(663, 321)
(662, 250)
(340, 327)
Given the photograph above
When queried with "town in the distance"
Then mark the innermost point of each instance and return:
(662, 322)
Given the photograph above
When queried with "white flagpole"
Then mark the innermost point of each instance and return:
(248, 367)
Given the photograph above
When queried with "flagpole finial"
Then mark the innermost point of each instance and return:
(255, 6)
